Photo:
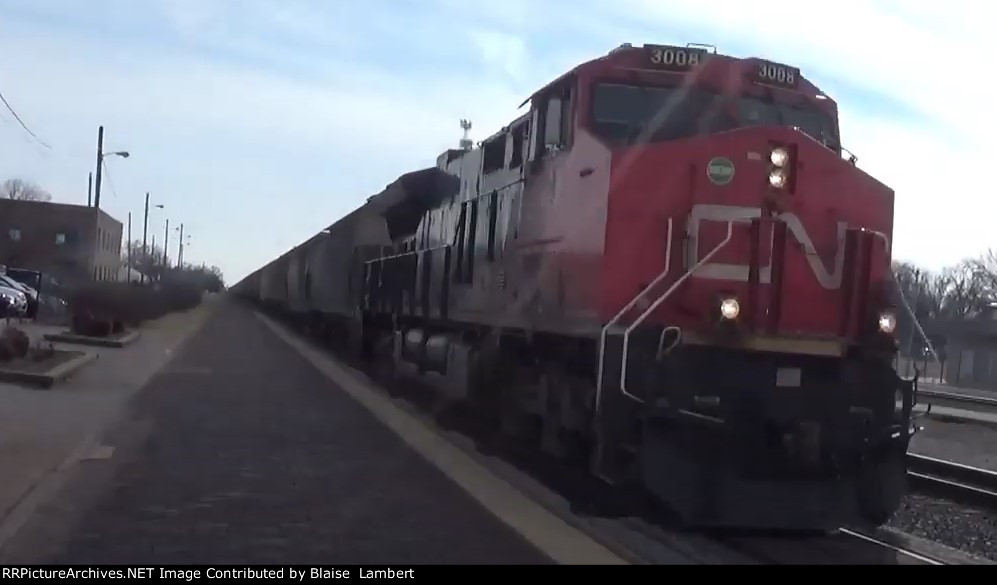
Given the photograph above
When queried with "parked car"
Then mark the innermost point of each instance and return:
(15, 302)
(32, 278)
(7, 306)
(31, 295)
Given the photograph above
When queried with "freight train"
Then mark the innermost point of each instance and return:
(667, 268)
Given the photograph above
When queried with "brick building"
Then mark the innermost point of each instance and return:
(73, 243)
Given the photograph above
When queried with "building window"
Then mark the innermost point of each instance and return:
(15, 234)
(60, 238)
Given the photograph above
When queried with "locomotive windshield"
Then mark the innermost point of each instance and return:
(631, 114)
(811, 121)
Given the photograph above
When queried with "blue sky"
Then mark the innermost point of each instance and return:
(256, 123)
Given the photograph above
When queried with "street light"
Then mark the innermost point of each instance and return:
(100, 163)
(145, 230)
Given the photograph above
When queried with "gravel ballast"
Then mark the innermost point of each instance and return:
(968, 529)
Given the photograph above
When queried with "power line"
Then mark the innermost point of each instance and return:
(26, 139)
(110, 183)
(21, 122)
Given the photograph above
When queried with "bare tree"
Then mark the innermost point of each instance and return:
(984, 270)
(908, 278)
(913, 284)
(23, 190)
(149, 263)
(934, 294)
(967, 292)
(958, 292)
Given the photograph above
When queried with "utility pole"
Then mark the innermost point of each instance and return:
(100, 164)
(129, 249)
(180, 255)
(166, 244)
(145, 234)
(90, 190)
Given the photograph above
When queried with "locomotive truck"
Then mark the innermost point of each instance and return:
(666, 268)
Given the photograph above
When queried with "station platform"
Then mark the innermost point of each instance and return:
(963, 415)
(243, 449)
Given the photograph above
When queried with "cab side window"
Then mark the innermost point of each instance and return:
(554, 119)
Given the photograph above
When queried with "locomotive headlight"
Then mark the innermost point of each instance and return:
(730, 309)
(779, 157)
(777, 179)
(887, 322)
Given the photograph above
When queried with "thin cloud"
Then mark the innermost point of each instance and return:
(259, 122)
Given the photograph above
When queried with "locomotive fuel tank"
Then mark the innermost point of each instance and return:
(441, 360)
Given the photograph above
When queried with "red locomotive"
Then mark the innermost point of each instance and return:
(666, 267)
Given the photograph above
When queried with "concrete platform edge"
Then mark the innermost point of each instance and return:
(49, 378)
(94, 341)
(959, 418)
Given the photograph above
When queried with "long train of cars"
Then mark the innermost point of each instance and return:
(665, 269)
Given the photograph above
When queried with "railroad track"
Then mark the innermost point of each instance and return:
(954, 481)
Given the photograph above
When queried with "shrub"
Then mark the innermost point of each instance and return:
(104, 308)
(14, 344)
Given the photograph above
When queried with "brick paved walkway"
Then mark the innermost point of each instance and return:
(249, 455)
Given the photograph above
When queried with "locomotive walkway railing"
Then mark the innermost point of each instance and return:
(664, 296)
(661, 298)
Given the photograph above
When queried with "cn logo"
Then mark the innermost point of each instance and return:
(828, 277)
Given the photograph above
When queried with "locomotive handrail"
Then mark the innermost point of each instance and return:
(619, 315)
(409, 253)
(661, 299)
